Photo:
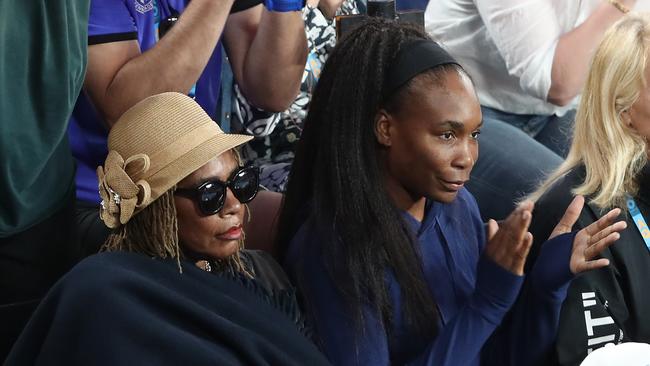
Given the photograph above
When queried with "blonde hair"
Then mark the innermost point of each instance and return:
(612, 152)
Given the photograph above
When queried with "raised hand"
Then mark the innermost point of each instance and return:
(590, 241)
(509, 243)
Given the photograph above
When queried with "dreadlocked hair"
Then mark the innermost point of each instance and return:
(154, 232)
(336, 183)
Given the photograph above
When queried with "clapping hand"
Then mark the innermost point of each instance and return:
(509, 242)
(590, 241)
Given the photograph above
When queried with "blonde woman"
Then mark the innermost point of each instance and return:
(607, 164)
(176, 287)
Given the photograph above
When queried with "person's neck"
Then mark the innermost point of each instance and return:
(417, 209)
(405, 201)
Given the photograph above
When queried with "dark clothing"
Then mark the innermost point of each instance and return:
(608, 305)
(125, 308)
(33, 260)
(30, 263)
(472, 293)
(91, 232)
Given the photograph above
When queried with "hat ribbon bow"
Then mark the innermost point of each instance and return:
(121, 196)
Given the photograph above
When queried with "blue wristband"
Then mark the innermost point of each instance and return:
(284, 5)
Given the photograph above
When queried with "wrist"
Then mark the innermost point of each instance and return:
(284, 6)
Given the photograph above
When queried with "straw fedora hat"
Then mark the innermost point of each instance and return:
(153, 146)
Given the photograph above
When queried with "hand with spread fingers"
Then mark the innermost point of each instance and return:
(592, 240)
(509, 242)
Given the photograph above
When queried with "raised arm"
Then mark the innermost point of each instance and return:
(459, 342)
(550, 63)
(119, 75)
(267, 51)
(531, 328)
(575, 49)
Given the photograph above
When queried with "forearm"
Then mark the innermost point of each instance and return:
(461, 340)
(574, 51)
(276, 61)
(173, 64)
(532, 325)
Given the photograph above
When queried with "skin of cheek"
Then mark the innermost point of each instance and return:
(419, 158)
(203, 234)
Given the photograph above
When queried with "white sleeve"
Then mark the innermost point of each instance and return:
(526, 33)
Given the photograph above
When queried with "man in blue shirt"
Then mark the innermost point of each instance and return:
(128, 60)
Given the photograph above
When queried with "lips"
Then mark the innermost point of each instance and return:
(453, 185)
(234, 233)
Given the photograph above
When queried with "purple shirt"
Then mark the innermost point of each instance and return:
(119, 20)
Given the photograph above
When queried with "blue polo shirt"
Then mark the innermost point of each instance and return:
(120, 20)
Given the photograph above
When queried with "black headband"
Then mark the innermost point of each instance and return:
(412, 59)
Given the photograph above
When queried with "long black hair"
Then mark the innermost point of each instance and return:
(337, 181)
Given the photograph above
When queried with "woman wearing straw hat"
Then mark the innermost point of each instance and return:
(176, 287)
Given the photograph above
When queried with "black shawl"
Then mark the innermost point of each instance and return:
(122, 308)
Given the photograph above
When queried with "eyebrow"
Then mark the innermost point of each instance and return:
(455, 125)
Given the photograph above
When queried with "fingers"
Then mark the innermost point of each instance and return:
(526, 244)
(526, 205)
(616, 227)
(569, 218)
(518, 259)
(492, 229)
(595, 250)
(588, 248)
(518, 221)
(516, 226)
(591, 265)
(510, 246)
(603, 222)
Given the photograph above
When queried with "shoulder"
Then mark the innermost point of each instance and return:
(101, 279)
(309, 236)
(304, 256)
(115, 265)
(560, 192)
(554, 202)
(113, 21)
(550, 206)
(267, 270)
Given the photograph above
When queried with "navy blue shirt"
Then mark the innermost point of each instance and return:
(473, 295)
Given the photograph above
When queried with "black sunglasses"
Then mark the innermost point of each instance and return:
(211, 195)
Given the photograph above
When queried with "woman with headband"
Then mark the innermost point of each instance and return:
(607, 163)
(385, 244)
(177, 287)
